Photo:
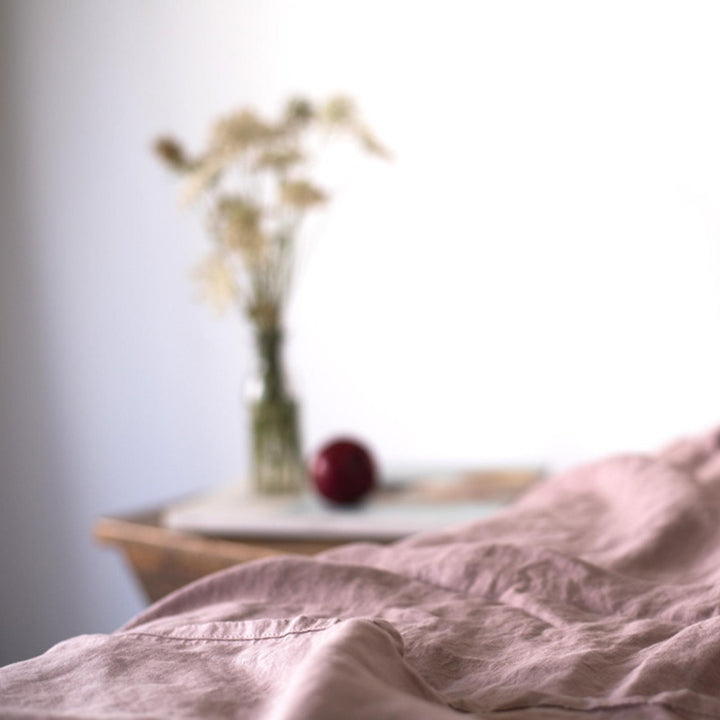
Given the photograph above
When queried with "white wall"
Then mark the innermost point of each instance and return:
(535, 278)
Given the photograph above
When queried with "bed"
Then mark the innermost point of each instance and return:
(596, 595)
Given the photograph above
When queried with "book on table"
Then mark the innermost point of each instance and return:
(404, 504)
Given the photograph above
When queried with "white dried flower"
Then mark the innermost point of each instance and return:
(302, 194)
(216, 282)
(238, 131)
(238, 228)
(339, 110)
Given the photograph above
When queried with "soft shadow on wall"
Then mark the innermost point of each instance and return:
(35, 536)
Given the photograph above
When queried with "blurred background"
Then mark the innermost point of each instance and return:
(535, 279)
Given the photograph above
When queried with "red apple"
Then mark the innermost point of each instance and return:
(343, 471)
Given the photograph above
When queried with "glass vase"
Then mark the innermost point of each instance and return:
(277, 466)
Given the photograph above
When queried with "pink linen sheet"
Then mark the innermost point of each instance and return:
(597, 595)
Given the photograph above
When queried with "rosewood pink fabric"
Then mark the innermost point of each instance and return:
(596, 596)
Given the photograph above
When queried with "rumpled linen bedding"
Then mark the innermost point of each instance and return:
(597, 595)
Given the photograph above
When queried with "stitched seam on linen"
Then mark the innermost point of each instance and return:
(606, 708)
(230, 638)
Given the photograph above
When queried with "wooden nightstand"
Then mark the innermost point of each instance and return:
(164, 560)
(170, 547)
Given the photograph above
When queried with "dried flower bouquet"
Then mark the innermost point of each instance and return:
(254, 182)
